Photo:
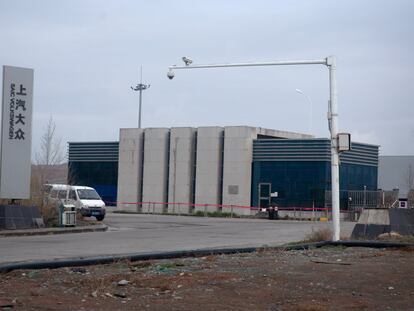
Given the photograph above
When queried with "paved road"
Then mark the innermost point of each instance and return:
(146, 233)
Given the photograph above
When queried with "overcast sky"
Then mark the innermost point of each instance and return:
(87, 54)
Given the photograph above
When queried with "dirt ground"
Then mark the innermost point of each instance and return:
(330, 278)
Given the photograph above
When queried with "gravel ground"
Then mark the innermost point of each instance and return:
(330, 278)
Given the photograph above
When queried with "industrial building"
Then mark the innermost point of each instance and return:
(95, 164)
(185, 169)
(300, 171)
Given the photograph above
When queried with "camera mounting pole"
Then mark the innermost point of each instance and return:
(140, 87)
(330, 62)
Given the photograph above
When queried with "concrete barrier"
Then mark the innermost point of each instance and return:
(376, 221)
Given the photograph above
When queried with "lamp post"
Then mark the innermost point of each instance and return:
(311, 108)
(140, 87)
(330, 62)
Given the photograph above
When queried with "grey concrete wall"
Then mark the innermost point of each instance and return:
(222, 169)
(130, 168)
(208, 170)
(156, 144)
(281, 134)
(181, 169)
(237, 171)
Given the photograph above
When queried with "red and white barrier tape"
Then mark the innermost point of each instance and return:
(229, 206)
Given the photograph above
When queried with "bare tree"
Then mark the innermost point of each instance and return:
(48, 160)
(50, 146)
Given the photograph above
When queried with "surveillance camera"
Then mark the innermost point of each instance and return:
(187, 61)
(170, 75)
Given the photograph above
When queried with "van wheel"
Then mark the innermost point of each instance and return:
(100, 218)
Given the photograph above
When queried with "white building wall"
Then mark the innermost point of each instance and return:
(237, 170)
(129, 169)
(208, 167)
(181, 166)
(156, 144)
(168, 177)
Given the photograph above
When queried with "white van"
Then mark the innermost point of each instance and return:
(85, 199)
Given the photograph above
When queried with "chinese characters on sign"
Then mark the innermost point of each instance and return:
(16, 133)
(17, 112)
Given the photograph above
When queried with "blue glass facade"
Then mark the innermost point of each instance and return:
(300, 171)
(102, 176)
(95, 165)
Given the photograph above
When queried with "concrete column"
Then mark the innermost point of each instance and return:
(130, 168)
(156, 145)
(208, 167)
(237, 169)
(180, 181)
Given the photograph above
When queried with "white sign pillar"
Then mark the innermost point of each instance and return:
(16, 133)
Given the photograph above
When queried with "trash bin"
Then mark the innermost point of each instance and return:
(273, 212)
(67, 215)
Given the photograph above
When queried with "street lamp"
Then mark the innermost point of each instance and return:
(329, 62)
(311, 108)
(140, 87)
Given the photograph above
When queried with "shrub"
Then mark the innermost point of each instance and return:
(50, 214)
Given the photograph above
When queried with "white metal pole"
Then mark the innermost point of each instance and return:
(140, 101)
(252, 64)
(140, 107)
(331, 63)
(140, 87)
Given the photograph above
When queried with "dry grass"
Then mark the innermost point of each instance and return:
(103, 283)
(324, 234)
(390, 237)
(319, 235)
(140, 264)
(50, 214)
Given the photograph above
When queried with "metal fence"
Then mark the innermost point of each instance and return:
(352, 202)
(358, 199)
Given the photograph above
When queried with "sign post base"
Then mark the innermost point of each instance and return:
(14, 217)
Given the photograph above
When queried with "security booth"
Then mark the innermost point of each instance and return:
(403, 203)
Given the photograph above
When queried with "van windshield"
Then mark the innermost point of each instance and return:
(88, 194)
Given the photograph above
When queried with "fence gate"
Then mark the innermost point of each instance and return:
(265, 190)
